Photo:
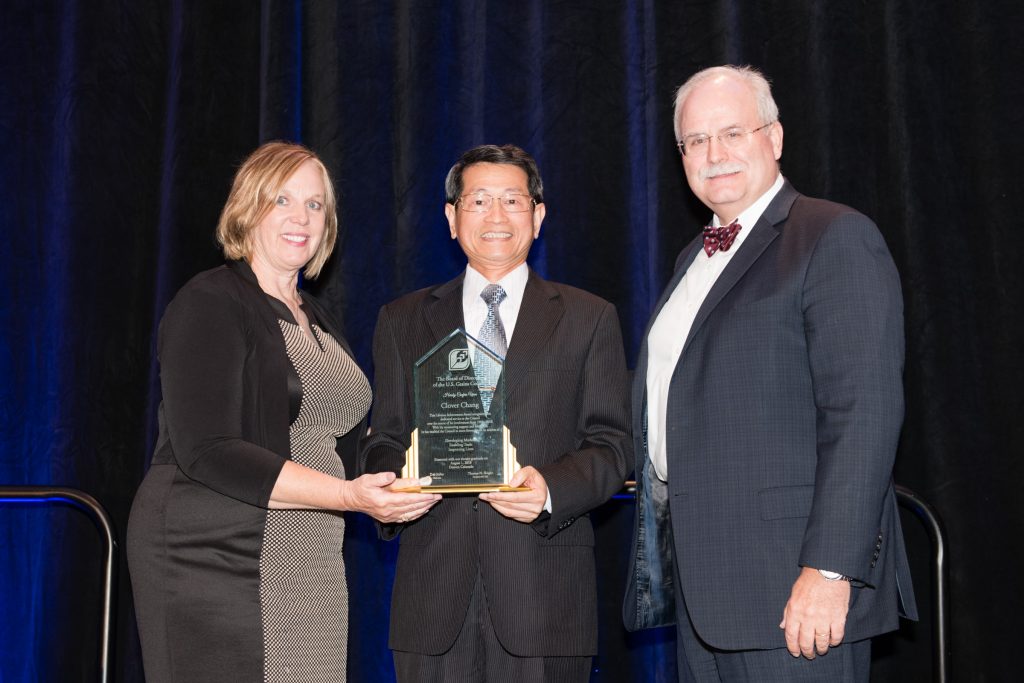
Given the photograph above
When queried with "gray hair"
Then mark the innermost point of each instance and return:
(766, 107)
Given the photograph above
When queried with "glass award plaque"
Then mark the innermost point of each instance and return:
(460, 440)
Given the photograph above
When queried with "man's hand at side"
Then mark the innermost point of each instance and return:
(815, 616)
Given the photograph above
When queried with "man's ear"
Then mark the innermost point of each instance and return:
(449, 213)
(776, 137)
(539, 212)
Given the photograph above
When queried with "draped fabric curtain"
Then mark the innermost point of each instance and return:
(121, 124)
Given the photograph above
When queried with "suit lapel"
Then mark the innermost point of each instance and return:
(443, 311)
(763, 233)
(538, 315)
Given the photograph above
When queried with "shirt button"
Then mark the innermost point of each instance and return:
(476, 504)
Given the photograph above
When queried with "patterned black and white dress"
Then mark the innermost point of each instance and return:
(226, 589)
(303, 595)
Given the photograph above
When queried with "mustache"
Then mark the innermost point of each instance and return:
(720, 169)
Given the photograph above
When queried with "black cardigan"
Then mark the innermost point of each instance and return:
(197, 525)
(224, 373)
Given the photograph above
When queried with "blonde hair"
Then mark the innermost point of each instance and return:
(254, 191)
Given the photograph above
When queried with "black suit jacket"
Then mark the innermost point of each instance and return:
(784, 413)
(567, 410)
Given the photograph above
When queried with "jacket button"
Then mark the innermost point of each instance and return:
(476, 504)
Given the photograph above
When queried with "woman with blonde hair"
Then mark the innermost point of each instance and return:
(235, 536)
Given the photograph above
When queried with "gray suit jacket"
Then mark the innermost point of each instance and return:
(568, 412)
(784, 414)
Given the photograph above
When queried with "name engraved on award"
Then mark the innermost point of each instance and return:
(460, 439)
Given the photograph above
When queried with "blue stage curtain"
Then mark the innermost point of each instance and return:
(121, 124)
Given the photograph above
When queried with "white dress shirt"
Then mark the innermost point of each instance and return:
(474, 308)
(672, 327)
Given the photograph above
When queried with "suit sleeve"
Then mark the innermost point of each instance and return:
(594, 471)
(203, 350)
(383, 449)
(853, 322)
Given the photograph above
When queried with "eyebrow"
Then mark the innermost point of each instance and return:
(720, 130)
(318, 195)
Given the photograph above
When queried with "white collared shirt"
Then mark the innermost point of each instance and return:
(672, 327)
(474, 308)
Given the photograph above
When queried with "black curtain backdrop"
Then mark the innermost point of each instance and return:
(121, 124)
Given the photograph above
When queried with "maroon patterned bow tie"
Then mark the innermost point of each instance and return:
(720, 238)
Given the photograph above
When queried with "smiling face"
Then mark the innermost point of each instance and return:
(286, 239)
(497, 241)
(727, 180)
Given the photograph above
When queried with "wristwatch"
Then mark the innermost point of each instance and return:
(832, 576)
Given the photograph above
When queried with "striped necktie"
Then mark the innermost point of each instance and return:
(492, 335)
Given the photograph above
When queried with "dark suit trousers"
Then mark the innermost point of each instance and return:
(698, 662)
(478, 657)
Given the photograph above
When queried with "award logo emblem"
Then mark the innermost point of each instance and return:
(458, 359)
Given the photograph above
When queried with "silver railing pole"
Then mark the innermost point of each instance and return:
(940, 600)
(86, 503)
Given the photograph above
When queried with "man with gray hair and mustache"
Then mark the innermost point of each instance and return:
(767, 405)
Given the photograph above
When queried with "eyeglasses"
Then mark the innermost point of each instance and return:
(732, 138)
(481, 202)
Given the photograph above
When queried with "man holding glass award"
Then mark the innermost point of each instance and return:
(510, 393)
